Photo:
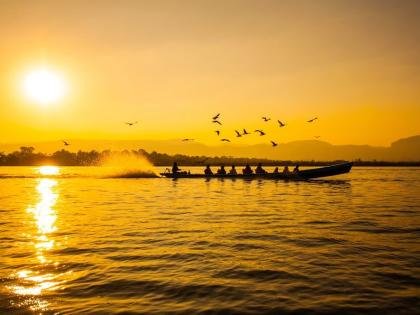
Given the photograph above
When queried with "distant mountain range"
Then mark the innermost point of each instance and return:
(407, 149)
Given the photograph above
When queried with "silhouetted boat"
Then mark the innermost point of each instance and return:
(325, 171)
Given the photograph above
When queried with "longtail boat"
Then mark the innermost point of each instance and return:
(325, 171)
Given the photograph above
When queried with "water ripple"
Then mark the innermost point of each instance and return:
(85, 245)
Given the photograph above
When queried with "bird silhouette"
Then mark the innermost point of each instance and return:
(217, 132)
(317, 137)
(217, 122)
(131, 123)
(66, 143)
(187, 139)
(245, 132)
(238, 134)
(281, 124)
(273, 143)
(266, 118)
(216, 116)
(262, 133)
(312, 120)
(225, 140)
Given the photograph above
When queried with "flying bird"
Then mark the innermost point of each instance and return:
(187, 139)
(217, 122)
(317, 137)
(66, 143)
(225, 140)
(281, 124)
(238, 134)
(262, 133)
(312, 120)
(274, 144)
(131, 123)
(216, 117)
(245, 132)
(266, 118)
(217, 132)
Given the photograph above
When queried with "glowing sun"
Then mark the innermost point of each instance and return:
(44, 86)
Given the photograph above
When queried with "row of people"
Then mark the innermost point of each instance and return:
(247, 170)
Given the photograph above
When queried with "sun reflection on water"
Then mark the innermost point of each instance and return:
(49, 170)
(43, 212)
(34, 282)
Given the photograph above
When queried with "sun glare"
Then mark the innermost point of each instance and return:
(44, 86)
(49, 170)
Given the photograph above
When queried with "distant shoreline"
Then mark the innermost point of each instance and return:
(303, 164)
(308, 163)
(27, 156)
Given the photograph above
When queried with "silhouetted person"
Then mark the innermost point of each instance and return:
(296, 169)
(276, 170)
(221, 170)
(208, 170)
(260, 170)
(232, 171)
(247, 170)
(286, 170)
(175, 168)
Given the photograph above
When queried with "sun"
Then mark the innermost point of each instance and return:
(44, 86)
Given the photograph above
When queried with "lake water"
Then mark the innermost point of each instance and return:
(80, 243)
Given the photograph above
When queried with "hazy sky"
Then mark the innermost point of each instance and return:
(172, 65)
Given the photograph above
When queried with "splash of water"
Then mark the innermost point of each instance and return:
(127, 165)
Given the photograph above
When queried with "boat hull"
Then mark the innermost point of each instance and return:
(325, 171)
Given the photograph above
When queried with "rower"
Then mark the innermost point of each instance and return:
(260, 170)
(208, 170)
(232, 171)
(286, 170)
(296, 169)
(276, 170)
(247, 170)
(175, 168)
(221, 170)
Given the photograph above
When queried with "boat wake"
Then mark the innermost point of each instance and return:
(133, 174)
(127, 165)
(99, 175)
(115, 165)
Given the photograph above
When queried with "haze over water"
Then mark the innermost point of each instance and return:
(76, 243)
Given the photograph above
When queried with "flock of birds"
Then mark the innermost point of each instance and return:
(244, 132)
(216, 120)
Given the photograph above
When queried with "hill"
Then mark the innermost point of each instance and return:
(407, 149)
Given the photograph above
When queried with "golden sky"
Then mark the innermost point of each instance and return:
(172, 65)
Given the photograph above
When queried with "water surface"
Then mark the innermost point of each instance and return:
(75, 242)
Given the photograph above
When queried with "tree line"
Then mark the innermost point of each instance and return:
(27, 156)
